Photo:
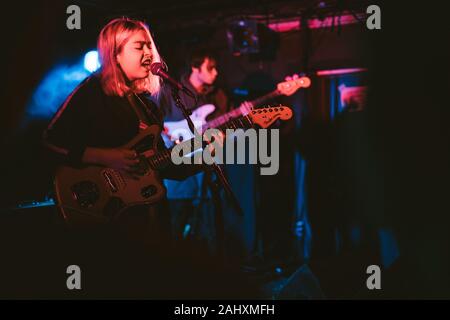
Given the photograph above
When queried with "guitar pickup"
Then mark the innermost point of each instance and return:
(110, 181)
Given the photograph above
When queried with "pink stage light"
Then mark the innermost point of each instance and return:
(291, 25)
(339, 71)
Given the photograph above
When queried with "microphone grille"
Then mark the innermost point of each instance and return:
(156, 67)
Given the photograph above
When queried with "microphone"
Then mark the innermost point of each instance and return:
(157, 68)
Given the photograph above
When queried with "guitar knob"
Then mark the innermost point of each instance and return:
(148, 191)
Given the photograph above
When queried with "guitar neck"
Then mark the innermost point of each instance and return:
(264, 98)
(162, 159)
(219, 121)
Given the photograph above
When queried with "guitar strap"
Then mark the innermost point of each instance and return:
(143, 113)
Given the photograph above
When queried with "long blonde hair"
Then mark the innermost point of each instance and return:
(110, 42)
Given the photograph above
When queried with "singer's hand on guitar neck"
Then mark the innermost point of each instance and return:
(217, 139)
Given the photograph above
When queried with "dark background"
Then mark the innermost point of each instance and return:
(405, 122)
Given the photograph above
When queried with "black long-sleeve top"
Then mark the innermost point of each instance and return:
(90, 118)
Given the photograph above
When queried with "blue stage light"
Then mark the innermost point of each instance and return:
(91, 62)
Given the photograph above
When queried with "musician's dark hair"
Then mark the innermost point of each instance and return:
(198, 56)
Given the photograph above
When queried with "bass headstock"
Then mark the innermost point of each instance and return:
(289, 87)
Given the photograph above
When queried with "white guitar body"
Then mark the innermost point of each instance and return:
(179, 130)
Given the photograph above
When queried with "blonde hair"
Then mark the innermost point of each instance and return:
(110, 42)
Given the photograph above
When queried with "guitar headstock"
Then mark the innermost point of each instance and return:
(266, 116)
(289, 87)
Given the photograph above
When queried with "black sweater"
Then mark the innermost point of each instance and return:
(90, 118)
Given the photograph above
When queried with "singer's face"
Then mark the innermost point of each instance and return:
(207, 73)
(136, 56)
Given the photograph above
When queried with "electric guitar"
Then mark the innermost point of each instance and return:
(94, 194)
(177, 131)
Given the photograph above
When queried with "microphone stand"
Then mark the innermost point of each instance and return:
(220, 181)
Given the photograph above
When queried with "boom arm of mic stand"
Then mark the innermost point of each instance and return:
(214, 167)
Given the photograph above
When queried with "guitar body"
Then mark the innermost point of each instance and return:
(95, 194)
(179, 130)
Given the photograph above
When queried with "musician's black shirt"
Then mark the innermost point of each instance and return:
(90, 118)
(211, 95)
